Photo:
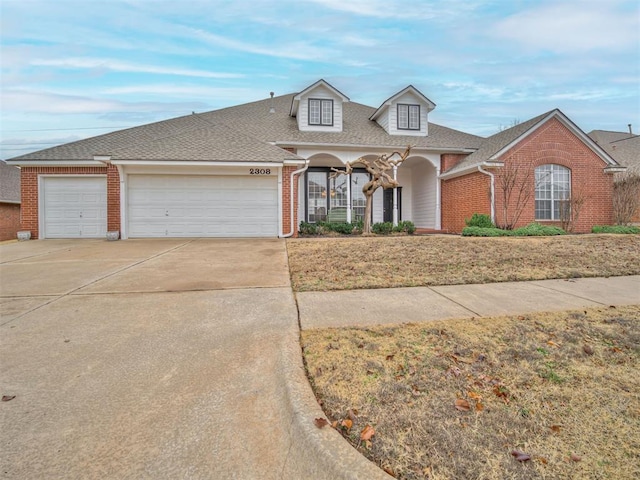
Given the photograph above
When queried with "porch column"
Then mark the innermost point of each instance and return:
(438, 200)
(348, 198)
(395, 197)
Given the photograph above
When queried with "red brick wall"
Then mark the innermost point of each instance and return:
(553, 143)
(450, 160)
(113, 199)
(9, 221)
(29, 191)
(286, 200)
(462, 197)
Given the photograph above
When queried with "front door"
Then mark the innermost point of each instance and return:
(387, 204)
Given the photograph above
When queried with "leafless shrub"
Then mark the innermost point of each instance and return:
(626, 198)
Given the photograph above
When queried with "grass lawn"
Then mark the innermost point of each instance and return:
(404, 261)
(453, 399)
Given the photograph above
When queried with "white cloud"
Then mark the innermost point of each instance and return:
(119, 66)
(571, 26)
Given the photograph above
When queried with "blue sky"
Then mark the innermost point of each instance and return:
(77, 68)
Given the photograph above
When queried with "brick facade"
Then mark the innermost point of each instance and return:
(552, 143)
(462, 197)
(286, 198)
(113, 199)
(9, 220)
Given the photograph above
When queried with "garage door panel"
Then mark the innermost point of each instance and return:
(202, 206)
(74, 207)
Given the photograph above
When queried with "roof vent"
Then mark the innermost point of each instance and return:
(272, 109)
(630, 131)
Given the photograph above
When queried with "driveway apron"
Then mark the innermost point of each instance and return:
(145, 359)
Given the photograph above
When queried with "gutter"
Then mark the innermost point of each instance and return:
(493, 192)
(292, 198)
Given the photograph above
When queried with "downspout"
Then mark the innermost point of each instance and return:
(493, 192)
(293, 174)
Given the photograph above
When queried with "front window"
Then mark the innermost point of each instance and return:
(408, 117)
(328, 198)
(320, 112)
(553, 191)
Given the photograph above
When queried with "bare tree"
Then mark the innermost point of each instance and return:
(516, 188)
(381, 171)
(626, 198)
(571, 207)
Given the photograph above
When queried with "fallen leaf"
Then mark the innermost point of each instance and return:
(521, 456)
(6, 398)
(367, 433)
(361, 345)
(352, 415)
(575, 458)
(474, 395)
(334, 424)
(552, 343)
(321, 422)
(389, 357)
(479, 407)
(542, 460)
(555, 428)
(588, 349)
(389, 471)
(462, 405)
(346, 423)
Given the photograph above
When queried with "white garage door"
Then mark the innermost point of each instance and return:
(74, 207)
(202, 206)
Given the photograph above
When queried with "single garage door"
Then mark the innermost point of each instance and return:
(202, 206)
(74, 207)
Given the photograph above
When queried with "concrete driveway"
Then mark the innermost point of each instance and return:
(156, 359)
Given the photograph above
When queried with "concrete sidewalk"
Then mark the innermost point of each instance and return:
(417, 304)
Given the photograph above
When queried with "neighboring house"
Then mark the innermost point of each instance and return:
(260, 168)
(9, 201)
(624, 147)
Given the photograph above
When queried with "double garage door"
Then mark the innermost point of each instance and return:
(164, 206)
(202, 206)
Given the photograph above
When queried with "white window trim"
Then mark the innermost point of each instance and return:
(322, 102)
(408, 108)
(553, 200)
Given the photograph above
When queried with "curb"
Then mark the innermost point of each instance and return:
(319, 453)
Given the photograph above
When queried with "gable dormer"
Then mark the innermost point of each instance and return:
(318, 108)
(405, 113)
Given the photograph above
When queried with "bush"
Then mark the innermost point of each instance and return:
(405, 226)
(479, 220)
(536, 230)
(531, 230)
(615, 229)
(339, 227)
(307, 228)
(382, 228)
(485, 232)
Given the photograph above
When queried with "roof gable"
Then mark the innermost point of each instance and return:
(9, 183)
(497, 145)
(409, 89)
(295, 102)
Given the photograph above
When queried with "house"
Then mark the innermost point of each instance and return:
(9, 201)
(260, 168)
(624, 147)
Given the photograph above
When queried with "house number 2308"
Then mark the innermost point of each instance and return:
(259, 171)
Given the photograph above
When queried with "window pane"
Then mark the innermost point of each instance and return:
(403, 116)
(327, 112)
(553, 192)
(338, 192)
(317, 196)
(314, 112)
(414, 117)
(358, 200)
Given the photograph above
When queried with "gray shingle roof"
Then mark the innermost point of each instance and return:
(186, 138)
(622, 146)
(217, 143)
(495, 143)
(9, 183)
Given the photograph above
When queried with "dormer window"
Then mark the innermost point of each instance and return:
(408, 117)
(320, 112)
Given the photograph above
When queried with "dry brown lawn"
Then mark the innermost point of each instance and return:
(404, 261)
(562, 388)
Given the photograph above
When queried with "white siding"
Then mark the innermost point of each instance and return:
(378, 206)
(405, 179)
(388, 119)
(319, 92)
(424, 195)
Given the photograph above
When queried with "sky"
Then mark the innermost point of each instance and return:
(72, 69)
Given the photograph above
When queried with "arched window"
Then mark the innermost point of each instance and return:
(553, 191)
